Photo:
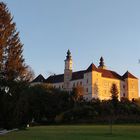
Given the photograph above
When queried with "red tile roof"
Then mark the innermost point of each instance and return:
(60, 78)
(109, 74)
(128, 75)
(55, 79)
(91, 68)
(80, 75)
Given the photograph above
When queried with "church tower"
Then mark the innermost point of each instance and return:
(101, 64)
(68, 71)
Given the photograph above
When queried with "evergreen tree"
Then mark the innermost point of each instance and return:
(114, 95)
(11, 58)
(13, 70)
(113, 105)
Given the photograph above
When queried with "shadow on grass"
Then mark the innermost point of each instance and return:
(111, 135)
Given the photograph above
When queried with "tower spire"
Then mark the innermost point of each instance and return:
(68, 55)
(68, 61)
(101, 63)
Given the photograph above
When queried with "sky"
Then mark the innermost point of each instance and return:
(89, 28)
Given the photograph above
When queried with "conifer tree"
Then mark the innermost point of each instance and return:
(11, 58)
(14, 73)
(113, 105)
(114, 94)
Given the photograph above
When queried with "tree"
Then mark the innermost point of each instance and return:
(13, 70)
(77, 94)
(114, 95)
(29, 74)
(113, 105)
(44, 102)
(11, 59)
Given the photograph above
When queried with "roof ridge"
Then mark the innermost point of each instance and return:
(128, 74)
(39, 78)
(92, 67)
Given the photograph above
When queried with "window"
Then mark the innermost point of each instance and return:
(105, 84)
(132, 86)
(87, 90)
(124, 86)
(87, 81)
(77, 83)
(123, 94)
(81, 83)
(73, 84)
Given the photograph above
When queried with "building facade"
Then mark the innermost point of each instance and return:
(95, 81)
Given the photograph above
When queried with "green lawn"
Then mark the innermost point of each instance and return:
(76, 132)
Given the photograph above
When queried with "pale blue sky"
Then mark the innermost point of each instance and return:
(89, 28)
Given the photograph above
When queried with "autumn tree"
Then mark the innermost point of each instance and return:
(13, 70)
(77, 94)
(12, 63)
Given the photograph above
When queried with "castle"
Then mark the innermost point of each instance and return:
(95, 81)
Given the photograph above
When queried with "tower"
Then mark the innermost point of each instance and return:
(68, 71)
(101, 64)
(131, 90)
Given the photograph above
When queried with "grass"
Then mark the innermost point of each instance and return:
(76, 132)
